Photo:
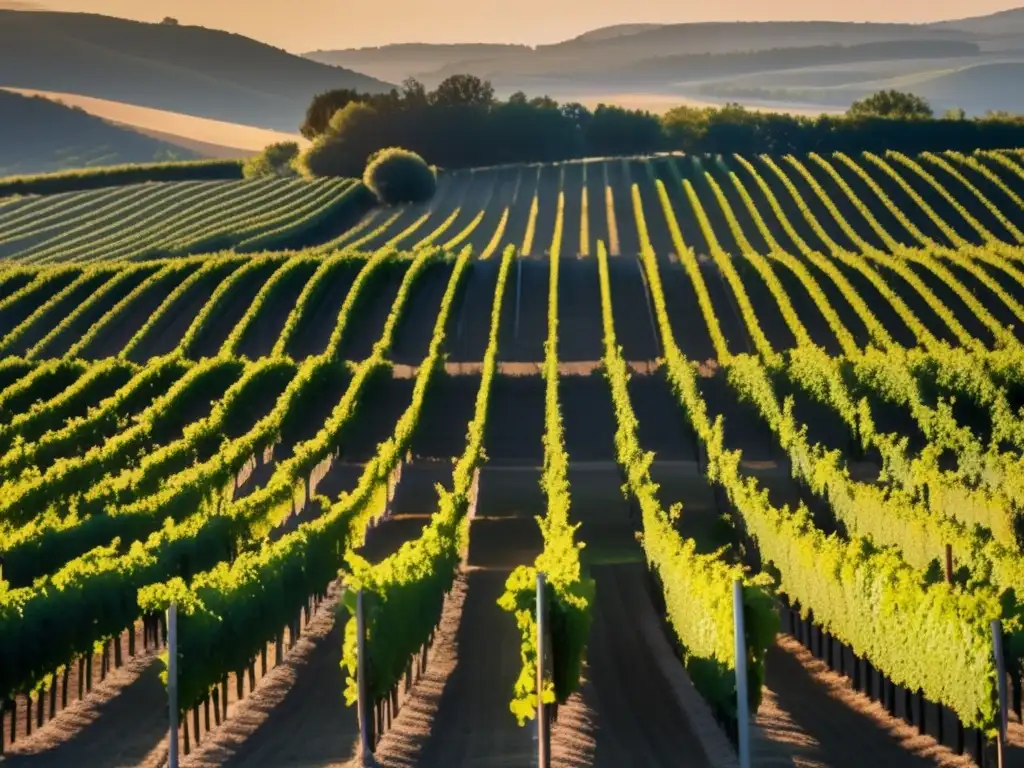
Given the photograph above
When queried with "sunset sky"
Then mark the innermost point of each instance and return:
(302, 25)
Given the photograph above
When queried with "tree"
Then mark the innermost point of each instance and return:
(463, 91)
(575, 113)
(170, 21)
(543, 102)
(897, 104)
(276, 160)
(353, 133)
(323, 108)
(414, 94)
(397, 176)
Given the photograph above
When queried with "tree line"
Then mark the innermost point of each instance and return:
(462, 124)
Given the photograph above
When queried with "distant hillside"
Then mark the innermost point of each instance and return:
(618, 30)
(999, 24)
(731, 36)
(209, 138)
(38, 136)
(805, 65)
(394, 63)
(614, 51)
(977, 88)
(193, 70)
(665, 71)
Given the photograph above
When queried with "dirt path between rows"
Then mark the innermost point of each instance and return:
(458, 714)
(629, 709)
(115, 725)
(811, 716)
(297, 715)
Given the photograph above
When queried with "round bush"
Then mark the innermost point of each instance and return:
(397, 175)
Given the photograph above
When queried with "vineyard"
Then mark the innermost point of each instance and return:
(644, 377)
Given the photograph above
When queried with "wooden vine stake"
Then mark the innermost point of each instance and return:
(366, 720)
(997, 647)
(172, 685)
(543, 726)
(742, 716)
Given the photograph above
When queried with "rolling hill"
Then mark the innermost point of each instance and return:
(396, 62)
(201, 135)
(811, 64)
(999, 24)
(193, 70)
(619, 46)
(38, 135)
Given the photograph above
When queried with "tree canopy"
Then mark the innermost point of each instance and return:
(905, 106)
(462, 124)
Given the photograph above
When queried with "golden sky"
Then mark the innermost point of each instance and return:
(302, 25)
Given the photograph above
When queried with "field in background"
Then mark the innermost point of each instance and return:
(206, 137)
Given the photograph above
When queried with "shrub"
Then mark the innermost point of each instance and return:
(396, 175)
(276, 160)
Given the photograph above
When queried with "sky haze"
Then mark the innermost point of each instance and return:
(302, 25)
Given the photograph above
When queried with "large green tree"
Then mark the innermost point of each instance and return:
(323, 108)
(905, 106)
(463, 91)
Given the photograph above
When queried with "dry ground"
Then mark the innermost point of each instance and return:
(213, 138)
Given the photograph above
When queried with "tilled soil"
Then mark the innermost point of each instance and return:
(458, 714)
(635, 327)
(519, 211)
(597, 216)
(448, 408)
(579, 311)
(949, 299)
(988, 299)
(320, 317)
(168, 332)
(504, 181)
(113, 338)
(547, 208)
(622, 202)
(663, 427)
(297, 715)
(879, 305)
(469, 327)
(117, 724)
(43, 324)
(573, 189)
(416, 327)
(370, 313)
(629, 709)
(918, 304)
(15, 313)
(381, 404)
(524, 312)
(216, 331)
(686, 318)
(810, 716)
(588, 417)
(515, 426)
(838, 301)
(262, 334)
(60, 344)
